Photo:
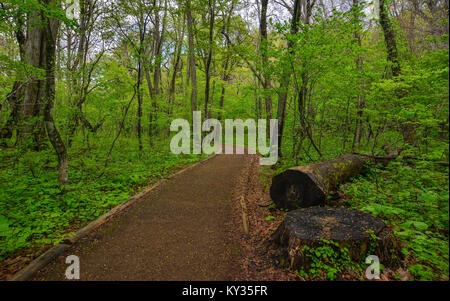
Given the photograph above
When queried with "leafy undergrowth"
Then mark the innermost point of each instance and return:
(35, 212)
(414, 200)
(328, 261)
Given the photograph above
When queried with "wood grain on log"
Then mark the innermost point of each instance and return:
(305, 186)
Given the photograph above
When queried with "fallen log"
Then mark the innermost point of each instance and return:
(385, 160)
(309, 185)
(360, 233)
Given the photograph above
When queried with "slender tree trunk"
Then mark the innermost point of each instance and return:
(176, 69)
(359, 69)
(407, 128)
(211, 102)
(284, 85)
(212, 7)
(305, 90)
(227, 64)
(222, 99)
(192, 64)
(139, 92)
(389, 38)
(264, 60)
(159, 39)
(139, 97)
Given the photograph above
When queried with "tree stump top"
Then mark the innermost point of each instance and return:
(337, 224)
(360, 234)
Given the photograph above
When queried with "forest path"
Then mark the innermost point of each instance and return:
(178, 231)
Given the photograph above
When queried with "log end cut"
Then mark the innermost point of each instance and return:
(309, 185)
(359, 232)
(295, 189)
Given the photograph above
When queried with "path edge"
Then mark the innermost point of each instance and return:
(27, 272)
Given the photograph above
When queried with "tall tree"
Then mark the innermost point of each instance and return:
(389, 38)
(212, 11)
(17, 20)
(356, 10)
(40, 51)
(263, 48)
(285, 78)
(192, 63)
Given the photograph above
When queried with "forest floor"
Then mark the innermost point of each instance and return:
(179, 231)
(191, 228)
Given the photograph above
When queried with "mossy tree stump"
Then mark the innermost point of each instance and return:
(309, 185)
(359, 232)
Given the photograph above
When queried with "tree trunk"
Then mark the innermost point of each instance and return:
(17, 92)
(139, 80)
(284, 85)
(227, 66)
(158, 38)
(32, 130)
(309, 185)
(192, 66)
(176, 68)
(389, 39)
(14, 99)
(40, 93)
(212, 8)
(264, 60)
(408, 128)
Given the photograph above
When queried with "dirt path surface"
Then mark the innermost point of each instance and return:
(179, 231)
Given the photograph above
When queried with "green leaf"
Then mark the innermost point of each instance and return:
(4, 226)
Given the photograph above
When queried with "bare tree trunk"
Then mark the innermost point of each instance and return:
(212, 7)
(156, 70)
(40, 93)
(139, 96)
(284, 85)
(158, 41)
(142, 32)
(176, 69)
(31, 128)
(389, 39)
(227, 64)
(264, 60)
(192, 66)
(359, 69)
(407, 128)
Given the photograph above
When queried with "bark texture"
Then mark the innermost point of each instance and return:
(361, 233)
(306, 186)
(389, 39)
